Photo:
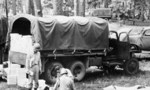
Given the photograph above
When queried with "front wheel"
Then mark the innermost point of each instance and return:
(78, 70)
(131, 67)
(50, 72)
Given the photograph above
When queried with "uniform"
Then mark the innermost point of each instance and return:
(33, 66)
(69, 74)
(64, 82)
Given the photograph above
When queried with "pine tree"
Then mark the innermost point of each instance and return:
(34, 7)
(37, 8)
(14, 7)
(58, 4)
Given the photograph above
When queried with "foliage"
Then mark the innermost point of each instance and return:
(47, 3)
(58, 7)
(97, 3)
(18, 5)
(140, 7)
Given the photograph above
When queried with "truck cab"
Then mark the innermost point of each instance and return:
(120, 55)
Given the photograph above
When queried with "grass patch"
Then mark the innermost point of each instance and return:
(99, 80)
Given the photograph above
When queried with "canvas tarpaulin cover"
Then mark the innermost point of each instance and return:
(61, 32)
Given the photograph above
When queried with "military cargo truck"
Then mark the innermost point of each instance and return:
(75, 43)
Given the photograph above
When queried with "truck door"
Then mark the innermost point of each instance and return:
(123, 47)
(145, 40)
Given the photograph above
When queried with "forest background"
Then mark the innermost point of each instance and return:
(139, 9)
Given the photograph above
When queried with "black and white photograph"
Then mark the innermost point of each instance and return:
(74, 44)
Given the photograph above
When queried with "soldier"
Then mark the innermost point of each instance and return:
(69, 73)
(64, 82)
(33, 66)
(57, 68)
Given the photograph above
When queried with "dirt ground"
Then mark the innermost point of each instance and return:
(97, 80)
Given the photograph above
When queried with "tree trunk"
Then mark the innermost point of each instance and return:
(2, 6)
(14, 7)
(29, 7)
(79, 7)
(82, 8)
(58, 4)
(106, 3)
(149, 13)
(37, 8)
(24, 6)
(76, 7)
(143, 9)
(142, 14)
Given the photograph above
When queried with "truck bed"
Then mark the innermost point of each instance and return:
(71, 52)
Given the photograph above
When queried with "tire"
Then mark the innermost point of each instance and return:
(131, 67)
(50, 73)
(78, 70)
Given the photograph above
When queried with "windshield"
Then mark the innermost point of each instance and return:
(136, 31)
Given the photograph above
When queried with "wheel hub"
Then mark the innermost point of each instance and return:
(77, 71)
(132, 66)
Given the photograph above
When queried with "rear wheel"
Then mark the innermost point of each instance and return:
(131, 66)
(78, 70)
(50, 72)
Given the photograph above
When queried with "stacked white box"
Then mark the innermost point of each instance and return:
(20, 46)
(15, 42)
(22, 82)
(20, 43)
(16, 75)
(21, 77)
(13, 69)
(12, 74)
(26, 44)
(14, 66)
(11, 79)
(42, 84)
